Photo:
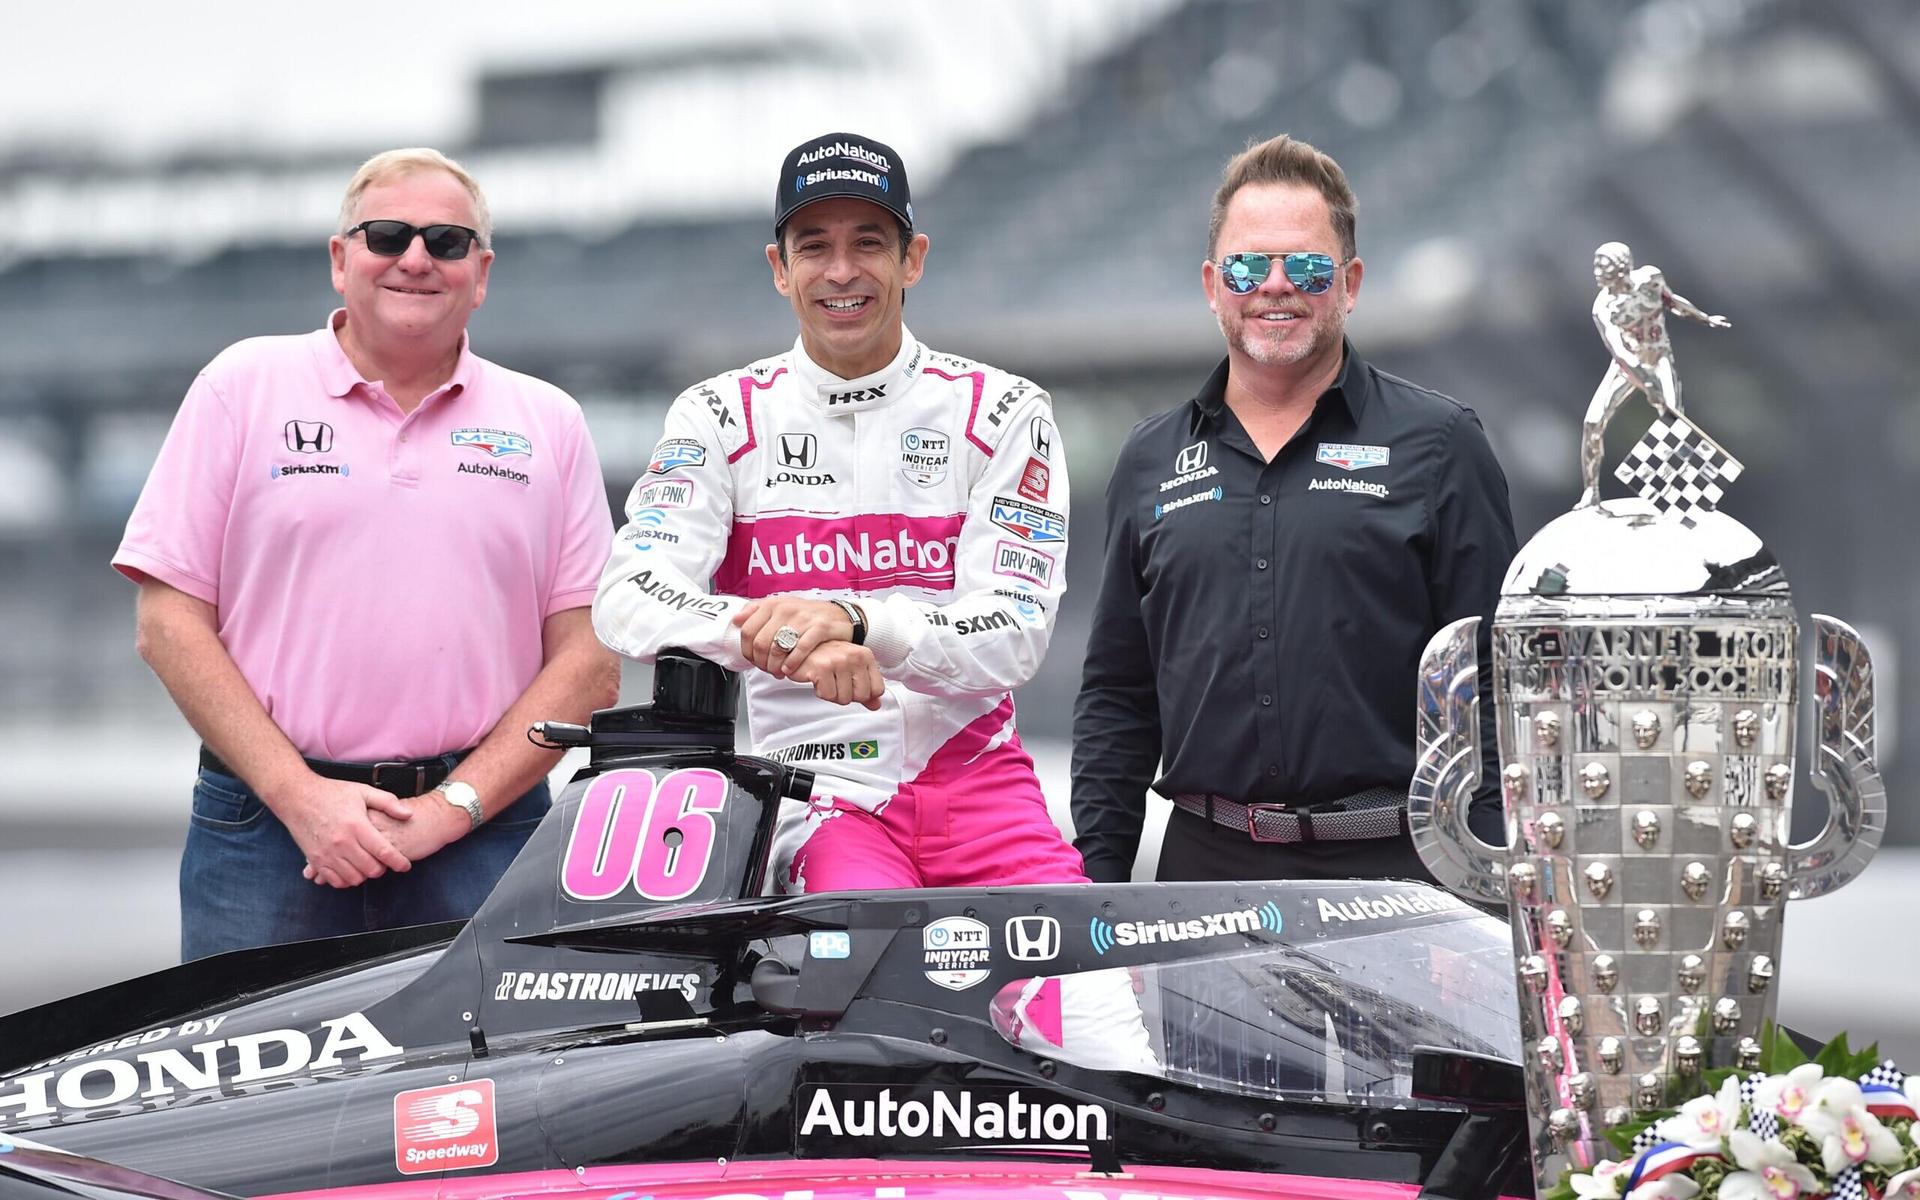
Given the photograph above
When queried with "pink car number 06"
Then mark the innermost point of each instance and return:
(620, 835)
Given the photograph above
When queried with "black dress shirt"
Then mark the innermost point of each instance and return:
(1260, 625)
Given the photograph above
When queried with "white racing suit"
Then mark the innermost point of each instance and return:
(934, 493)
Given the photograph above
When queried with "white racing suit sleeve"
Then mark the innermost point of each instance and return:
(1009, 571)
(655, 591)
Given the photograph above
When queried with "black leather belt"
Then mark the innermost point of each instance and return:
(1375, 813)
(402, 777)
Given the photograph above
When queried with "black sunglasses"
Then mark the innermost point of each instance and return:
(391, 238)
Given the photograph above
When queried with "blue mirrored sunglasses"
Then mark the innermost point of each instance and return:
(1311, 273)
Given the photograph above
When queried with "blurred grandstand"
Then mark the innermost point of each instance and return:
(1765, 154)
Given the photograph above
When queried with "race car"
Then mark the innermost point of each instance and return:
(628, 1016)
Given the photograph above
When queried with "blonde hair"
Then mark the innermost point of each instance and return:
(1285, 159)
(392, 164)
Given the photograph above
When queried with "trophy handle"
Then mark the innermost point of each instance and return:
(1448, 767)
(1844, 767)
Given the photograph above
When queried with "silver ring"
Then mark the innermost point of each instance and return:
(785, 639)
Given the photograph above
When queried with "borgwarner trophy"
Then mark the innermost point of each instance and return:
(1644, 668)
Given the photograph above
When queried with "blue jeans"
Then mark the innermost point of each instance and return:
(240, 883)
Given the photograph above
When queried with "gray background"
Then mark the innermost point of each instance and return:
(166, 189)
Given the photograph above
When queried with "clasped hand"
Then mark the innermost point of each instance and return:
(824, 655)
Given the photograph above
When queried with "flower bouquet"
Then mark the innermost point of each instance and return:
(1840, 1124)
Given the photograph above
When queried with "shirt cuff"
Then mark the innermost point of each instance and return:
(890, 631)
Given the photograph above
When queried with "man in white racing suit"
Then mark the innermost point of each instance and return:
(875, 534)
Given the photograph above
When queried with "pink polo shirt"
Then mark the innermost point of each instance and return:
(380, 578)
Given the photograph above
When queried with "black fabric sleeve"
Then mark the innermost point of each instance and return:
(1473, 547)
(1116, 719)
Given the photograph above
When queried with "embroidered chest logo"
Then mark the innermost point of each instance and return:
(309, 437)
(795, 455)
(498, 443)
(1351, 457)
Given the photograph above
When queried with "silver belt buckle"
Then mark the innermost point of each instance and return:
(1255, 810)
(419, 774)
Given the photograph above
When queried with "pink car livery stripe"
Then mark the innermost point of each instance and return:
(868, 552)
(870, 1179)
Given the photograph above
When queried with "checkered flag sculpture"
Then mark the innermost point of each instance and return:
(1678, 469)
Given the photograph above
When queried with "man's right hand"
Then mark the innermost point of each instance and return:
(329, 820)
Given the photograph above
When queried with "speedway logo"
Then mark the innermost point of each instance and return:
(1351, 457)
(860, 553)
(1029, 522)
(204, 1066)
(1035, 480)
(674, 453)
(592, 985)
(847, 1119)
(959, 952)
(1146, 933)
(1390, 904)
(497, 442)
(445, 1128)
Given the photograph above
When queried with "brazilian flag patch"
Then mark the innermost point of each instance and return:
(863, 749)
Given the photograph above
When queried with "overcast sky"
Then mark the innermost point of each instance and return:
(137, 79)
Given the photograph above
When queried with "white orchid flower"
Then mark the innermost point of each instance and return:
(1904, 1186)
(1704, 1120)
(1604, 1182)
(1668, 1187)
(1768, 1171)
(1787, 1096)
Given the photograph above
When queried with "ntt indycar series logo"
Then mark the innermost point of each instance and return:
(1147, 933)
(854, 1120)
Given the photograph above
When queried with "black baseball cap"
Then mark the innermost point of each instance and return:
(842, 164)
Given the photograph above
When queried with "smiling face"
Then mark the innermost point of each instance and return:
(1276, 324)
(414, 295)
(846, 277)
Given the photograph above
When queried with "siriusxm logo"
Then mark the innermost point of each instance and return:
(1161, 510)
(1146, 933)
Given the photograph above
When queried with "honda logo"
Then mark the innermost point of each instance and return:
(1033, 939)
(796, 450)
(309, 437)
(1042, 431)
(1191, 459)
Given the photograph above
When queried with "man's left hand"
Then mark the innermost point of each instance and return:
(434, 826)
(816, 621)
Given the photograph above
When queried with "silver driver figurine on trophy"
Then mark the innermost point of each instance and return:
(1645, 666)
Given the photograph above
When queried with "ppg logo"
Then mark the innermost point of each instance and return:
(1033, 939)
(1106, 936)
(797, 450)
(829, 943)
(1190, 459)
(309, 437)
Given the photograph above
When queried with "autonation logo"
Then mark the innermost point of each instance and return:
(1146, 933)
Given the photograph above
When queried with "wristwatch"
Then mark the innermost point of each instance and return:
(462, 796)
(858, 617)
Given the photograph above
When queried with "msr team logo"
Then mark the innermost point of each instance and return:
(1029, 522)
(446, 1128)
(309, 437)
(1350, 456)
(1106, 936)
(674, 453)
(498, 443)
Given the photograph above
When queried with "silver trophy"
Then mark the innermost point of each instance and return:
(1645, 661)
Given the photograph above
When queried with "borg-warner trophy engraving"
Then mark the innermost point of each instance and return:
(1645, 671)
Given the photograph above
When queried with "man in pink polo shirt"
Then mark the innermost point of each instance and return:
(366, 558)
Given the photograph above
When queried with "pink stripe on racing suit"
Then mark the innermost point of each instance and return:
(933, 491)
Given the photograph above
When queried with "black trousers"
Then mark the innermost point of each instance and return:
(1198, 849)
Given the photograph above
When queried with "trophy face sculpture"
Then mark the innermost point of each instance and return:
(1645, 664)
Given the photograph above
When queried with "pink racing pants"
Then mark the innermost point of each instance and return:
(975, 817)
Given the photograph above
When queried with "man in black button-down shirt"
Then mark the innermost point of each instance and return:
(1279, 551)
